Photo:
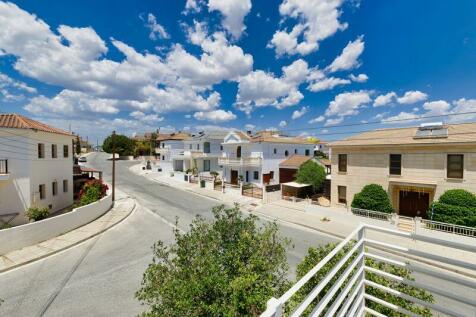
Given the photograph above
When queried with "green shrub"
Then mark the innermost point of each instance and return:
(373, 197)
(5, 226)
(92, 191)
(36, 213)
(311, 173)
(458, 197)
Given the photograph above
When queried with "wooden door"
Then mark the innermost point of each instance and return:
(266, 178)
(413, 204)
(234, 177)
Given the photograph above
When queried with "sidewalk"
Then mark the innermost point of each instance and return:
(122, 208)
(338, 222)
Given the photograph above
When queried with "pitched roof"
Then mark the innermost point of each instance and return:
(179, 136)
(16, 121)
(268, 138)
(294, 161)
(457, 133)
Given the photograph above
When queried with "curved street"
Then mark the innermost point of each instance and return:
(99, 277)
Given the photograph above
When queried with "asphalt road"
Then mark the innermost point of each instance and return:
(100, 276)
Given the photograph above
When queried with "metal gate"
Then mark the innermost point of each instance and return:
(251, 190)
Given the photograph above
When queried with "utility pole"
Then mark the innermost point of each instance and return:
(113, 139)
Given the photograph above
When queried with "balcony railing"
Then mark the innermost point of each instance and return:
(343, 290)
(244, 161)
(3, 166)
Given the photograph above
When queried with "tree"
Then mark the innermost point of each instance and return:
(311, 173)
(315, 255)
(124, 145)
(456, 206)
(77, 146)
(229, 267)
(373, 197)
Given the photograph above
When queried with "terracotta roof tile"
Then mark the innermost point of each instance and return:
(294, 161)
(180, 136)
(16, 121)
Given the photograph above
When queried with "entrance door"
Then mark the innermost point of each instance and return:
(234, 177)
(414, 204)
(247, 177)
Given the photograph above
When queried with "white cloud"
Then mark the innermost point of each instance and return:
(316, 21)
(436, 108)
(250, 127)
(411, 97)
(349, 58)
(299, 113)
(317, 119)
(463, 106)
(407, 117)
(193, 6)
(283, 124)
(148, 118)
(334, 121)
(383, 100)
(234, 12)
(13, 90)
(348, 103)
(327, 83)
(215, 115)
(361, 78)
(157, 31)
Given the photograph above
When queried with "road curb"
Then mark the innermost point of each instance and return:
(75, 243)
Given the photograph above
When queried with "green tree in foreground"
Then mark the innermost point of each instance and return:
(315, 255)
(373, 197)
(124, 145)
(311, 173)
(230, 267)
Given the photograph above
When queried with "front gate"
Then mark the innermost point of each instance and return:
(251, 190)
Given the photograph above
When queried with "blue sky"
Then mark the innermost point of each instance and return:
(302, 66)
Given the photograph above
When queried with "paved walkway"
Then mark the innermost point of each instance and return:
(338, 222)
(122, 208)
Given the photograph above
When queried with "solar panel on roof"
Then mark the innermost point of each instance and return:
(426, 133)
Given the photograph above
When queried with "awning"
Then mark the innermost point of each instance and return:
(412, 182)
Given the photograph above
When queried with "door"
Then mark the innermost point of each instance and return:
(247, 176)
(414, 204)
(266, 178)
(234, 177)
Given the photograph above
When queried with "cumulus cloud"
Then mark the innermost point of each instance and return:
(333, 121)
(407, 117)
(348, 103)
(12, 89)
(148, 118)
(299, 113)
(157, 31)
(316, 21)
(327, 83)
(283, 124)
(349, 58)
(464, 106)
(411, 97)
(384, 100)
(361, 78)
(234, 12)
(250, 127)
(317, 119)
(436, 108)
(215, 115)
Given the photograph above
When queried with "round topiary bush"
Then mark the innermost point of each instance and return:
(458, 197)
(373, 197)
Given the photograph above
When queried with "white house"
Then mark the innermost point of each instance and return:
(36, 167)
(168, 147)
(202, 151)
(256, 158)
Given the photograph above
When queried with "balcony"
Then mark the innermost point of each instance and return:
(354, 287)
(243, 161)
(4, 175)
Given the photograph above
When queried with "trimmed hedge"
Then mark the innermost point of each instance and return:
(455, 206)
(373, 197)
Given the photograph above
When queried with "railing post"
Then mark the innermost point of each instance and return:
(361, 250)
(417, 224)
(275, 306)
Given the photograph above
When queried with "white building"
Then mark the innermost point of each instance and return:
(256, 158)
(168, 147)
(36, 167)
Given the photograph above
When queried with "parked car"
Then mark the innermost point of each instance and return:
(82, 159)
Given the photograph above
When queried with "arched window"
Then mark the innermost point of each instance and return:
(286, 153)
(238, 152)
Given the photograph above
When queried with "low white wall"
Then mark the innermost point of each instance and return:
(272, 196)
(35, 232)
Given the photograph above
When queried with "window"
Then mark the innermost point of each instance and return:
(256, 175)
(41, 150)
(42, 190)
(206, 165)
(342, 162)
(65, 186)
(275, 151)
(163, 157)
(306, 152)
(395, 164)
(54, 152)
(198, 146)
(247, 177)
(271, 175)
(295, 151)
(455, 165)
(342, 192)
(65, 151)
(190, 146)
(206, 147)
(286, 153)
(54, 187)
(221, 147)
(238, 152)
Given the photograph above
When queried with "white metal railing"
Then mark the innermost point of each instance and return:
(346, 282)
(372, 214)
(248, 161)
(448, 227)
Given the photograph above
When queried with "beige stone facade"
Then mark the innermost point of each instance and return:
(423, 174)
